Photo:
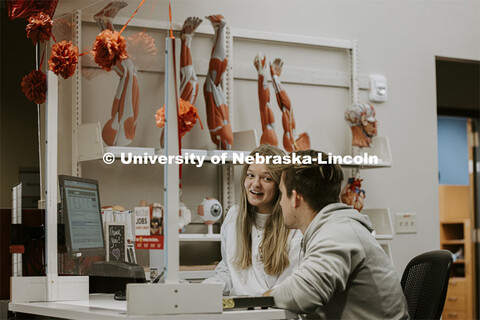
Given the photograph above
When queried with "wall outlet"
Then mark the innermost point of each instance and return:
(406, 223)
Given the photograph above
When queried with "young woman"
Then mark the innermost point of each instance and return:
(258, 252)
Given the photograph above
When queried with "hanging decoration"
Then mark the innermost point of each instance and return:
(142, 49)
(187, 117)
(39, 28)
(34, 86)
(20, 9)
(109, 49)
(63, 59)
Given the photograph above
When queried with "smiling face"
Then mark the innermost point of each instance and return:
(260, 188)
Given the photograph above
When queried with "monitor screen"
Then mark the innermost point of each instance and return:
(82, 216)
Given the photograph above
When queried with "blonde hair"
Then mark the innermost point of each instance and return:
(273, 248)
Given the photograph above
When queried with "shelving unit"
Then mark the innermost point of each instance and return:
(86, 139)
(456, 236)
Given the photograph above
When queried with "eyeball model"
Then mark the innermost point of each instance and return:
(210, 210)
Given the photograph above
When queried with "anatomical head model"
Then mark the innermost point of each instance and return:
(362, 122)
(215, 101)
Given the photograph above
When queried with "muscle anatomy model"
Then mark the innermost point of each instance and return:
(215, 100)
(290, 141)
(120, 129)
(353, 194)
(266, 114)
(362, 122)
(188, 77)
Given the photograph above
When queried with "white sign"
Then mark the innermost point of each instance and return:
(142, 221)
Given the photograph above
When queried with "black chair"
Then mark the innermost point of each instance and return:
(425, 282)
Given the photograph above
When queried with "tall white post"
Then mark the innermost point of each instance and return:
(51, 187)
(171, 176)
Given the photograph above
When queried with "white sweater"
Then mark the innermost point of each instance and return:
(253, 280)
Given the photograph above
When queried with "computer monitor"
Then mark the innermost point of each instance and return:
(82, 216)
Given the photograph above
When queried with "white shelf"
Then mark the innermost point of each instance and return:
(380, 147)
(382, 222)
(199, 237)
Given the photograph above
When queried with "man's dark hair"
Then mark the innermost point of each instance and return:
(319, 184)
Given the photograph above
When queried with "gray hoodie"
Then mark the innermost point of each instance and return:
(344, 272)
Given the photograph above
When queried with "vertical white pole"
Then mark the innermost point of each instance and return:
(17, 219)
(171, 178)
(51, 187)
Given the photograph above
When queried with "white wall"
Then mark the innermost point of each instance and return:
(398, 39)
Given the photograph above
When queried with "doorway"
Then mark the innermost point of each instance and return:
(458, 111)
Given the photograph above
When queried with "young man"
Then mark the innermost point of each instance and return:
(344, 274)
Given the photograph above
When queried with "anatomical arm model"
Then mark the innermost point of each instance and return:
(120, 129)
(215, 100)
(290, 141)
(266, 113)
(188, 77)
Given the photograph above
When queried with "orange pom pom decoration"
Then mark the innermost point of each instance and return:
(39, 27)
(34, 86)
(187, 117)
(109, 48)
(63, 59)
(142, 50)
(160, 117)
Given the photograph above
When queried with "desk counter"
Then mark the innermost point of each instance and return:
(103, 306)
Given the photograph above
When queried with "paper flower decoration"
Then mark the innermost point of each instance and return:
(39, 27)
(34, 86)
(19, 9)
(187, 117)
(142, 50)
(63, 59)
(160, 117)
(109, 48)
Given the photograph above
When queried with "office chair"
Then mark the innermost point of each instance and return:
(425, 282)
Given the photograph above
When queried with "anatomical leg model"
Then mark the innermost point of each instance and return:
(215, 100)
(290, 141)
(188, 77)
(120, 129)
(266, 113)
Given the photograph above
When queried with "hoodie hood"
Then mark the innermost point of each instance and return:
(335, 212)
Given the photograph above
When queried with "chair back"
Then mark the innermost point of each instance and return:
(425, 282)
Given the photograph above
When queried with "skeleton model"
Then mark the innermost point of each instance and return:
(362, 122)
(290, 141)
(266, 113)
(120, 129)
(215, 100)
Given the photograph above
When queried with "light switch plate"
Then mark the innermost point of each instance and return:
(405, 223)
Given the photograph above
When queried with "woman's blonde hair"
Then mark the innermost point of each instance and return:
(273, 248)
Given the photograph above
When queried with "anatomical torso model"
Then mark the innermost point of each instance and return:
(266, 114)
(215, 100)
